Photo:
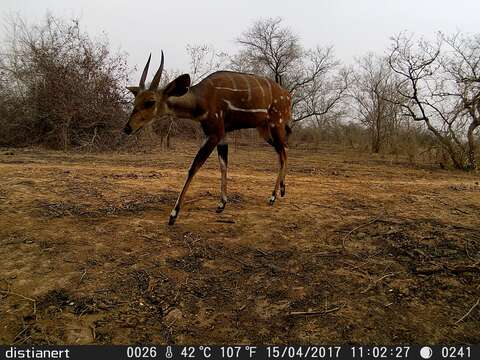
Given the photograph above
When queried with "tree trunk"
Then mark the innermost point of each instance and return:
(471, 145)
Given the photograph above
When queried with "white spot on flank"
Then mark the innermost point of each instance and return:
(280, 121)
(272, 125)
(232, 107)
(275, 101)
(281, 97)
(216, 115)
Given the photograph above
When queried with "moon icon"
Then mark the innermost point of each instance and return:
(426, 352)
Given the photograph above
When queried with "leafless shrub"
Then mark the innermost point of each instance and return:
(313, 77)
(440, 90)
(59, 87)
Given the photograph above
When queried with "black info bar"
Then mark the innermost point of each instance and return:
(234, 352)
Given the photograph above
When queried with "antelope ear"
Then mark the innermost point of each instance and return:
(178, 87)
(133, 89)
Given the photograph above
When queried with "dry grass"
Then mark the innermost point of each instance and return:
(361, 250)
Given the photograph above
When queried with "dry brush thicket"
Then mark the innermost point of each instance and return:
(59, 87)
(63, 89)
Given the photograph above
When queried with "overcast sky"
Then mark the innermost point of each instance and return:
(353, 27)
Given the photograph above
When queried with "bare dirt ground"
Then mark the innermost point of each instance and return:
(361, 250)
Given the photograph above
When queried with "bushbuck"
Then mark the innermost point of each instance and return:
(222, 102)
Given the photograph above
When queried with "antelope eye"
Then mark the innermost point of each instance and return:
(149, 104)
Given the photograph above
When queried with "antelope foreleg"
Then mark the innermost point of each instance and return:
(202, 155)
(280, 183)
(222, 150)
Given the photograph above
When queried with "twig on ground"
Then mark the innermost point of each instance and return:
(370, 286)
(315, 312)
(83, 275)
(21, 332)
(468, 312)
(467, 252)
(262, 252)
(94, 334)
(23, 297)
(192, 200)
(359, 227)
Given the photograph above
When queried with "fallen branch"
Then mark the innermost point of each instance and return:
(376, 282)
(359, 227)
(469, 311)
(312, 313)
(23, 297)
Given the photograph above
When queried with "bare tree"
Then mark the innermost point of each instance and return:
(268, 48)
(205, 59)
(463, 68)
(374, 83)
(313, 77)
(429, 94)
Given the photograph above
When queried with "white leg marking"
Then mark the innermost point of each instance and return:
(173, 213)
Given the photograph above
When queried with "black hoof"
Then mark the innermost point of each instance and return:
(272, 200)
(172, 219)
(220, 207)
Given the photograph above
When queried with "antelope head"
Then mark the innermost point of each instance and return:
(153, 102)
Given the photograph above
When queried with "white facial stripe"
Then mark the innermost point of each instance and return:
(232, 107)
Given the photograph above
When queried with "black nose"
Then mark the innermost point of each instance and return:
(128, 129)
